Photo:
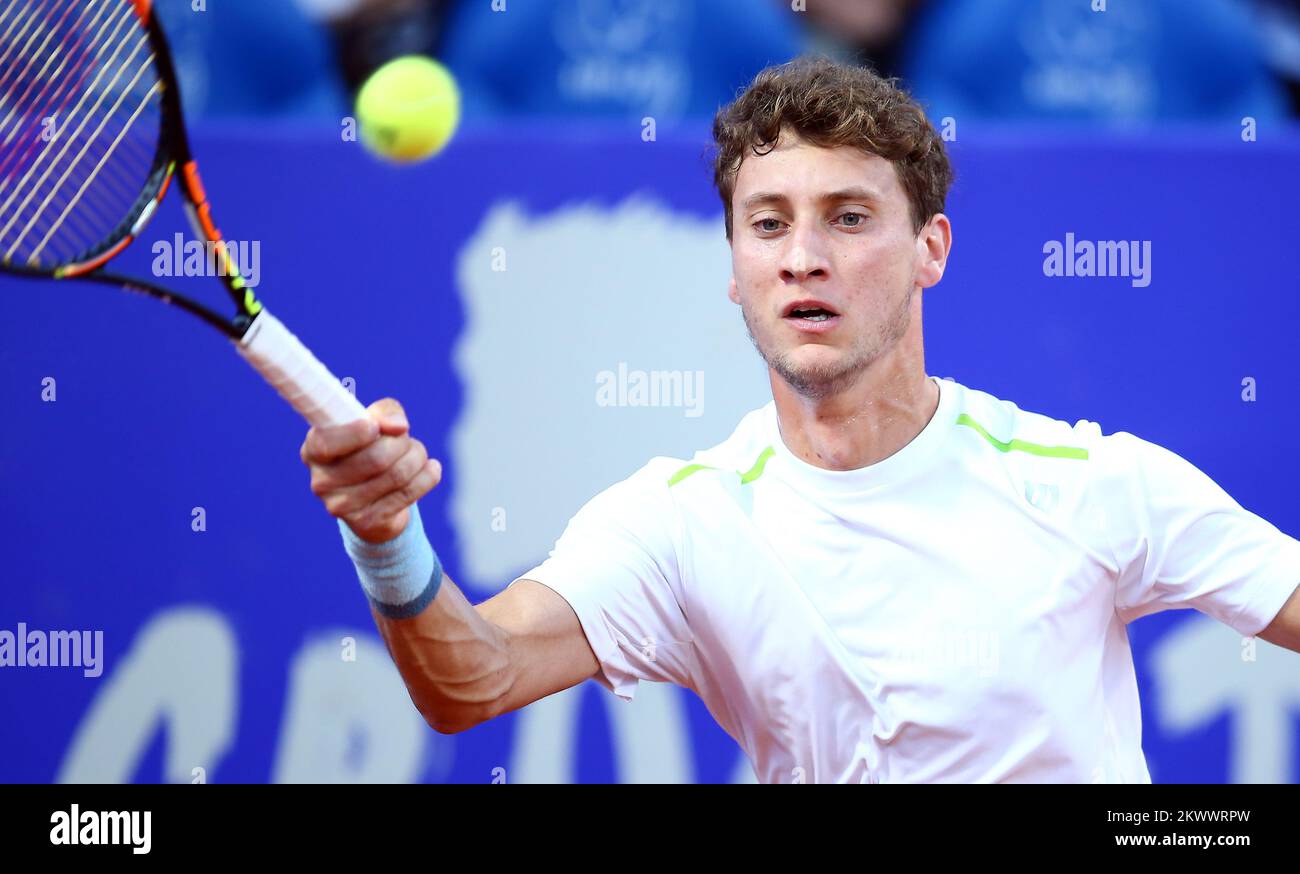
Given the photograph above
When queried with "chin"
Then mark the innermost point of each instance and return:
(815, 372)
(814, 357)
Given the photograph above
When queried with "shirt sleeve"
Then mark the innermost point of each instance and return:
(616, 564)
(1181, 541)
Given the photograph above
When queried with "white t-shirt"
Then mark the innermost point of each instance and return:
(955, 612)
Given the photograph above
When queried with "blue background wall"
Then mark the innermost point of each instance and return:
(155, 416)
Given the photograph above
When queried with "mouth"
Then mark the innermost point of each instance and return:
(810, 315)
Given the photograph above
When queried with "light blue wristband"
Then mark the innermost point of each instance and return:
(400, 577)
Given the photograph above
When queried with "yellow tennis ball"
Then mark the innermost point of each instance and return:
(408, 109)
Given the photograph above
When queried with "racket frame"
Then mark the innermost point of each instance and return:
(259, 337)
(171, 155)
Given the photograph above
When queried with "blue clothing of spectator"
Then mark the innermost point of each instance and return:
(1065, 60)
(253, 59)
(625, 59)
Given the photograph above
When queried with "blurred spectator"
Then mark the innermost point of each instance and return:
(620, 59)
(1279, 26)
(865, 32)
(368, 33)
(1060, 60)
(251, 59)
(682, 59)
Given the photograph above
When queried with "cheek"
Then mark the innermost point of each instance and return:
(753, 271)
(878, 274)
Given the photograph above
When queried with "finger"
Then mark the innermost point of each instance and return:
(352, 499)
(390, 415)
(364, 464)
(398, 499)
(325, 444)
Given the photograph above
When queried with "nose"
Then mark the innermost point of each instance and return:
(804, 257)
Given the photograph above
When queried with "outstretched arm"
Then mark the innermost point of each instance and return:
(462, 664)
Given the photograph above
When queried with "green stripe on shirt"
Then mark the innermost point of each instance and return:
(746, 476)
(1023, 445)
(687, 471)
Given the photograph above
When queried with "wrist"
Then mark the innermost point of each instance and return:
(401, 575)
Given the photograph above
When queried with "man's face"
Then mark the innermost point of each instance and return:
(824, 261)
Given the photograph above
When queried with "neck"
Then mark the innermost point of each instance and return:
(868, 421)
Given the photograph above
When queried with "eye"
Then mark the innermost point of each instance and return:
(853, 219)
(768, 225)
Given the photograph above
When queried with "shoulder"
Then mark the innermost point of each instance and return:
(742, 453)
(1014, 432)
(1118, 467)
(651, 484)
(650, 494)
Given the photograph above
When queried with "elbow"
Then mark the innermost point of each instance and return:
(446, 717)
(447, 727)
(445, 723)
(477, 695)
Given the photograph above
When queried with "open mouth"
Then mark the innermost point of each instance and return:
(816, 314)
(809, 311)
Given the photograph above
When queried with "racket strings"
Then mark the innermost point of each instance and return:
(64, 79)
(82, 232)
(46, 77)
(80, 120)
(20, 64)
(26, 18)
(69, 88)
(7, 16)
(11, 66)
(91, 148)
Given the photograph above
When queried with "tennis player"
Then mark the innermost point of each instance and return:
(880, 576)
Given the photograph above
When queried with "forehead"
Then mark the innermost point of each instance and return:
(801, 170)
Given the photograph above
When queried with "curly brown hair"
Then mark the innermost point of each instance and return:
(831, 104)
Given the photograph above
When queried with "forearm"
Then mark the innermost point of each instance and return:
(455, 663)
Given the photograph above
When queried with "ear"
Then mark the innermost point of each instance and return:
(932, 246)
(733, 293)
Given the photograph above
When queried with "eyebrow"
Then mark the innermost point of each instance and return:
(851, 193)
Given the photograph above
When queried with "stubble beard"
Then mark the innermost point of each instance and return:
(816, 381)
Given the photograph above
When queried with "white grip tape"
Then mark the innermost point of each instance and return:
(297, 375)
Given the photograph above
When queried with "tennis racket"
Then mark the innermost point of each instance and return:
(91, 137)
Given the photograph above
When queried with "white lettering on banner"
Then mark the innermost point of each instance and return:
(348, 721)
(181, 672)
(1199, 677)
(352, 721)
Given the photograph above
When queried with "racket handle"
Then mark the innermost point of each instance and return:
(296, 374)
